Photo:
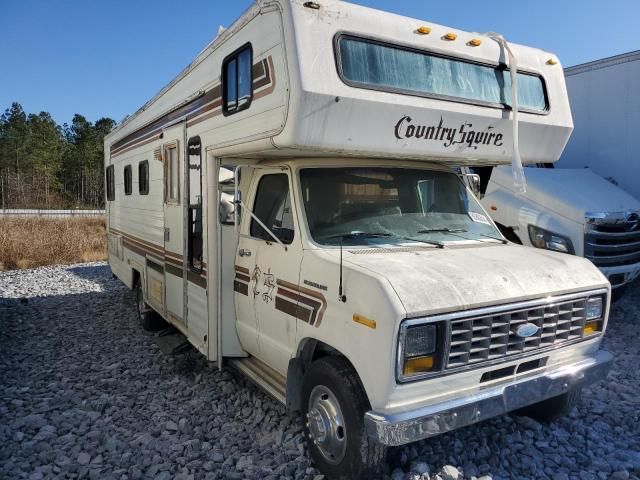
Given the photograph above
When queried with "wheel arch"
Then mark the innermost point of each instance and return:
(309, 350)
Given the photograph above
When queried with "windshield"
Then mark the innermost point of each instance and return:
(373, 206)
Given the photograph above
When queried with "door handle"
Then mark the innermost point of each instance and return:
(244, 253)
(166, 234)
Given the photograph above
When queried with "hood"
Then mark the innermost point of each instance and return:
(429, 281)
(570, 192)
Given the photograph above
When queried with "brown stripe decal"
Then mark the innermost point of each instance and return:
(290, 308)
(241, 280)
(155, 266)
(172, 260)
(197, 279)
(307, 305)
(198, 110)
(240, 287)
(168, 268)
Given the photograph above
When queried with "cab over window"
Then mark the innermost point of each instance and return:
(237, 78)
(273, 207)
(127, 180)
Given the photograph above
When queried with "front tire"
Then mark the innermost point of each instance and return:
(553, 408)
(148, 318)
(334, 404)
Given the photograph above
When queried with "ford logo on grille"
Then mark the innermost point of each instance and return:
(527, 330)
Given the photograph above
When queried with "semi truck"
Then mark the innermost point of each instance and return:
(588, 205)
(290, 203)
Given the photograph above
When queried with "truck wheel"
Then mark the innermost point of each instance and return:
(553, 408)
(334, 404)
(148, 318)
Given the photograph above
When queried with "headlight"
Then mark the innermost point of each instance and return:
(420, 341)
(594, 308)
(542, 238)
(594, 316)
(418, 350)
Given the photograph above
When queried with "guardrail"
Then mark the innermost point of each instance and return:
(29, 212)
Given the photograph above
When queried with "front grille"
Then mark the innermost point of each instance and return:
(490, 337)
(612, 245)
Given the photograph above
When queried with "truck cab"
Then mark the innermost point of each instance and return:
(388, 304)
(572, 211)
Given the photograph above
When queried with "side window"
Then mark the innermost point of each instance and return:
(273, 207)
(237, 81)
(143, 178)
(226, 184)
(127, 180)
(111, 187)
(172, 174)
(194, 149)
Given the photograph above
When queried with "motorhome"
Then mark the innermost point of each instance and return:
(290, 204)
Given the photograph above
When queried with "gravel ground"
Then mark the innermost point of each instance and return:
(85, 393)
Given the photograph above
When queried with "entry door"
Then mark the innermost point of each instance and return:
(173, 159)
(274, 280)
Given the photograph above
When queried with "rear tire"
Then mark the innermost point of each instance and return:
(553, 408)
(333, 405)
(148, 318)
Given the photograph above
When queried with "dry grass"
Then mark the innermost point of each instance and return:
(27, 242)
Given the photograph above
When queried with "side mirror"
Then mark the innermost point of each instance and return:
(473, 181)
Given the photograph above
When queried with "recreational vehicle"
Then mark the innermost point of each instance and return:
(290, 203)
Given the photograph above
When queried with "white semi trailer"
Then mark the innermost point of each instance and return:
(289, 203)
(606, 112)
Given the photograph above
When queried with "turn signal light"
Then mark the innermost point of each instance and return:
(362, 320)
(424, 30)
(475, 42)
(590, 328)
(450, 36)
(552, 61)
(418, 365)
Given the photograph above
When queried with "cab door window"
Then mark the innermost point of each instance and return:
(273, 207)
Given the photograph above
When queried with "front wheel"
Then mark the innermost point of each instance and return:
(334, 404)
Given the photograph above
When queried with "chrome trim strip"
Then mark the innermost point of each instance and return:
(409, 426)
(479, 313)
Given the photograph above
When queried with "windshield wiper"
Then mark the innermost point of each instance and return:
(342, 236)
(444, 229)
(453, 231)
(428, 242)
(501, 240)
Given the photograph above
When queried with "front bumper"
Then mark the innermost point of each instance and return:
(410, 426)
(621, 275)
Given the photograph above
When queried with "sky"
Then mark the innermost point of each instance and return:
(107, 58)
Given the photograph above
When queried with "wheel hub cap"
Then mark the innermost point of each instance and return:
(326, 424)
